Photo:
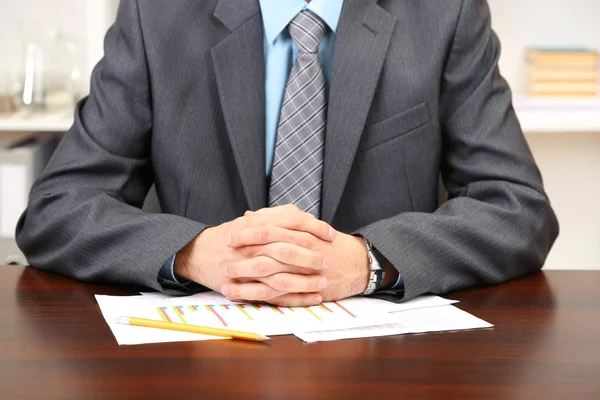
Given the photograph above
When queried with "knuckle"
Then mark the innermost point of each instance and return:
(232, 270)
(261, 235)
(263, 294)
(295, 222)
(323, 229)
(277, 302)
(306, 241)
(306, 301)
(242, 222)
(286, 254)
(317, 260)
(281, 284)
(260, 267)
(248, 251)
(314, 284)
(287, 300)
(234, 293)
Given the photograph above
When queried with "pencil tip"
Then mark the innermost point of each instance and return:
(264, 338)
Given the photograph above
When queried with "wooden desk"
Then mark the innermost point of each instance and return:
(54, 343)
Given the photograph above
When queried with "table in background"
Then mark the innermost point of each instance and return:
(54, 343)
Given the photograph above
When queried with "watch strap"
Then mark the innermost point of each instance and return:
(377, 274)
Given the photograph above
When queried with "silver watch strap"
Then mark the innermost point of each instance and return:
(377, 271)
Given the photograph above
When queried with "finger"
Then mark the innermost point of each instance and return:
(261, 266)
(291, 283)
(280, 209)
(254, 291)
(275, 209)
(290, 254)
(265, 234)
(296, 221)
(297, 300)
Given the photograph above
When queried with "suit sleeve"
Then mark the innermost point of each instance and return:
(84, 219)
(498, 223)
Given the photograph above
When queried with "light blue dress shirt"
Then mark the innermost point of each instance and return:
(280, 53)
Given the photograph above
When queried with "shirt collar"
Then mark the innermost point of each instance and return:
(277, 14)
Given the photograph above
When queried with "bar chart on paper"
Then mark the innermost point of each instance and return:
(263, 318)
(214, 310)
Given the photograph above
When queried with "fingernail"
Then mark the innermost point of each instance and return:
(225, 290)
(228, 240)
(322, 283)
(317, 300)
(332, 233)
(325, 263)
(225, 271)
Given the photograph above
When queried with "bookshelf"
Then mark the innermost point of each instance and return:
(31, 122)
(537, 116)
(552, 116)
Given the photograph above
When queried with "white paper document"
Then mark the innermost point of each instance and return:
(211, 309)
(381, 305)
(353, 317)
(430, 319)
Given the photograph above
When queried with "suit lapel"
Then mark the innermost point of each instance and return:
(361, 45)
(240, 71)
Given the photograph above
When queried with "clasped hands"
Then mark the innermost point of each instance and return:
(278, 255)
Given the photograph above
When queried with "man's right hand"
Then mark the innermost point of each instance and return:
(284, 273)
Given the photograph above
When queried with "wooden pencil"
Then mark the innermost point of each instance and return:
(205, 330)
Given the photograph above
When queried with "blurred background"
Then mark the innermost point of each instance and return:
(550, 59)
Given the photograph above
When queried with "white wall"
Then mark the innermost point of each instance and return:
(570, 162)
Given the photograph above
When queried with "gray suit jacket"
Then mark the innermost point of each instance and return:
(179, 101)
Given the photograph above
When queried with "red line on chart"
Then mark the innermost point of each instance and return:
(225, 306)
(342, 307)
(179, 310)
(323, 306)
(277, 309)
(163, 311)
(212, 309)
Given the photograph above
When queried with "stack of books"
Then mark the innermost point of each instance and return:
(563, 73)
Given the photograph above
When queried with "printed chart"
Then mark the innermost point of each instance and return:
(216, 311)
(267, 319)
(213, 309)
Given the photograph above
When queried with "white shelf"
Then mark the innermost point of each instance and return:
(536, 116)
(24, 121)
(558, 115)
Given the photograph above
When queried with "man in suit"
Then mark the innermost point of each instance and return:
(296, 150)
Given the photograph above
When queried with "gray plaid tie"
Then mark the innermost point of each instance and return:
(298, 164)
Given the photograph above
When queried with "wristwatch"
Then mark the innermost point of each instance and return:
(377, 269)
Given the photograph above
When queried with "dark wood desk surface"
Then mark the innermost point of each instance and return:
(54, 343)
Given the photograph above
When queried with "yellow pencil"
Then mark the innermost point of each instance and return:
(205, 330)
